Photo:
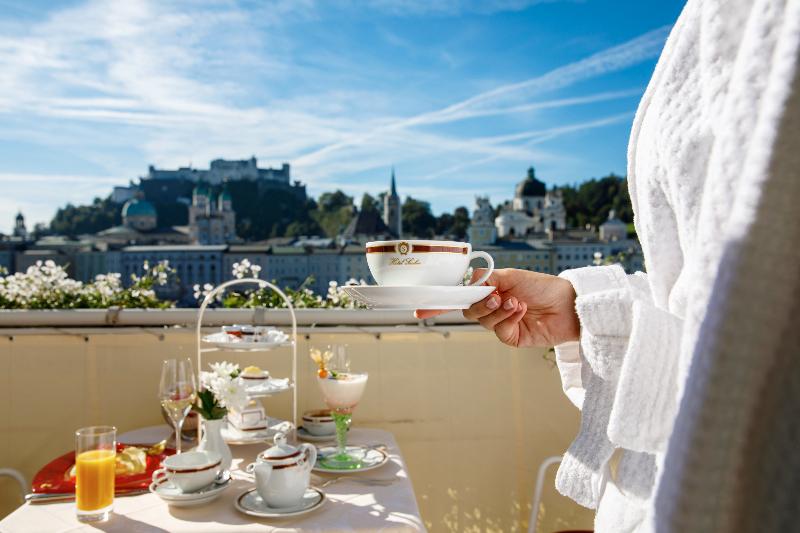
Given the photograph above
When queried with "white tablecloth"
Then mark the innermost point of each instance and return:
(350, 506)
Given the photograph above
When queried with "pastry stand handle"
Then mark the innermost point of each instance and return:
(263, 285)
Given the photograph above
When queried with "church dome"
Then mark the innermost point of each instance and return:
(201, 189)
(531, 186)
(139, 215)
(135, 207)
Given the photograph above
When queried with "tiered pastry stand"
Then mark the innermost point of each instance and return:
(239, 347)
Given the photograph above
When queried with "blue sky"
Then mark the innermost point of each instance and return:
(460, 96)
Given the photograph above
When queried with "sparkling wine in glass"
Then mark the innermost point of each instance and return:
(342, 390)
(177, 392)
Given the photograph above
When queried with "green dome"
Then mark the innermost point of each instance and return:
(138, 208)
(531, 186)
(201, 189)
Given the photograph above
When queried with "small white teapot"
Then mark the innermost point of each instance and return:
(283, 472)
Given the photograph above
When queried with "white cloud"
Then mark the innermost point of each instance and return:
(178, 84)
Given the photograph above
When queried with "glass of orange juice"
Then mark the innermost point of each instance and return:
(95, 460)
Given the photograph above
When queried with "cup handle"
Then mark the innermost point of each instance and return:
(158, 474)
(250, 468)
(489, 261)
(311, 455)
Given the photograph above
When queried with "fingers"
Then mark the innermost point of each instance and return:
(486, 306)
(422, 314)
(508, 330)
(508, 308)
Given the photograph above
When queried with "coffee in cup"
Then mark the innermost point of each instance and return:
(406, 263)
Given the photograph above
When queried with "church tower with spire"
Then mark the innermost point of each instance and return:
(391, 210)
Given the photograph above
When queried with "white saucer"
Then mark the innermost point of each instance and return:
(232, 435)
(224, 341)
(164, 489)
(420, 297)
(373, 458)
(249, 502)
(268, 387)
(303, 434)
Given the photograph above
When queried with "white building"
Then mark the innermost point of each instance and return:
(613, 229)
(210, 221)
(482, 230)
(534, 209)
(222, 170)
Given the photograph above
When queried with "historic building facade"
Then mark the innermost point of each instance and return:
(533, 209)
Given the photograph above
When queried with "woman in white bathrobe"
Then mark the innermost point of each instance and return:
(670, 368)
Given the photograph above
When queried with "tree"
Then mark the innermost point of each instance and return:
(417, 218)
(591, 201)
(368, 203)
(461, 222)
(444, 224)
(85, 219)
(334, 212)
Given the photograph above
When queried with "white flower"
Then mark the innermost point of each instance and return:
(225, 369)
(200, 294)
(228, 392)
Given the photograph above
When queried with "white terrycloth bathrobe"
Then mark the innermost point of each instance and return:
(674, 368)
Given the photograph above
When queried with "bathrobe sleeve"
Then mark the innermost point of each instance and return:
(629, 344)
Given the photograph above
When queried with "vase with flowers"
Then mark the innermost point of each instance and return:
(220, 390)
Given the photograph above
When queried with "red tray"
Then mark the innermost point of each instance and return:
(54, 477)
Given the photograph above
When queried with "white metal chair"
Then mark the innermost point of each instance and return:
(15, 474)
(537, 494)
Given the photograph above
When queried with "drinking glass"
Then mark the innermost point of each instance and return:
(95, 462)
(177, 392)
(342, 390)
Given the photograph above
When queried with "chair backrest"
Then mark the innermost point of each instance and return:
(537, 494)
(15, 474)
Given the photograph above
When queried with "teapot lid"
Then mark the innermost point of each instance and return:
(281, 452)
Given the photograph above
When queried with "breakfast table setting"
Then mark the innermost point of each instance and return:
(381, 499)
(245, 470)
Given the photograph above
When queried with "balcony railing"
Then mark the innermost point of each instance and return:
(474, 418)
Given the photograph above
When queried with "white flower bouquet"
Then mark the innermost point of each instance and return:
(220, 390)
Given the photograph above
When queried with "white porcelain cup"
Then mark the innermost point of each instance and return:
(414, 262)
(319, 422)
(190, 471)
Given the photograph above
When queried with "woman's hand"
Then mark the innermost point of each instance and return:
(528, 308)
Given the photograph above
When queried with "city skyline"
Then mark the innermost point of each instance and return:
(461, 97)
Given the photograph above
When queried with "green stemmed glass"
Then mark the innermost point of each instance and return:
(342, 391)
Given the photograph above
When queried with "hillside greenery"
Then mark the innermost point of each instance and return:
(591, 201)
(273, 212)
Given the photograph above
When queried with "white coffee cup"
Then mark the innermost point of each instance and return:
(190, 471)
(410, 262)
(319, 422)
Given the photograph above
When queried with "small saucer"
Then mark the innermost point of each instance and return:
(303, 434)
(419, 297)
(164, 489)
(371, 458)
(235, 436)
(249, 502)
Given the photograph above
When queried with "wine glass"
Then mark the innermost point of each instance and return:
(177, 392)
(342, 390)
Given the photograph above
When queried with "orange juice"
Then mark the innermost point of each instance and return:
(94, 479)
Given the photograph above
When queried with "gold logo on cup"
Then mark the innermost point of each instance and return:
(403, 248)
